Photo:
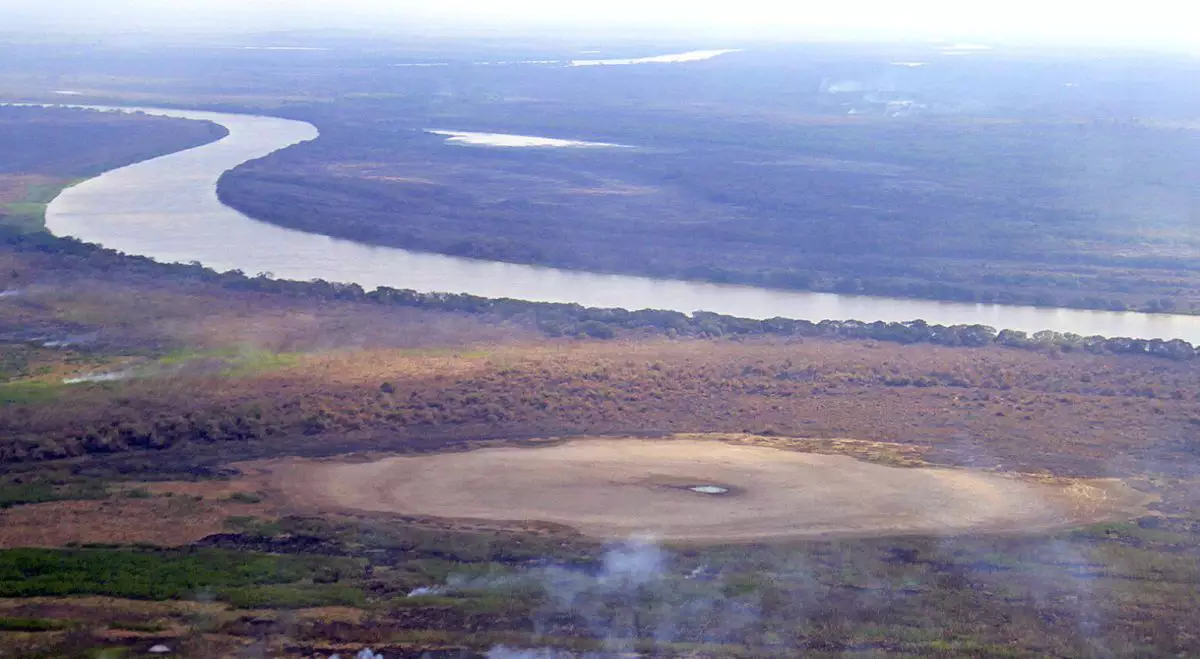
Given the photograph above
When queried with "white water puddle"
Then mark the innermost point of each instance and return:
(709, 489)
(673, 58)
(464, 138)
(294, 48)
(964, 49)
(516, 62)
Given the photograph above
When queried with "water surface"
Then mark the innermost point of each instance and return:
(167, 209)
(507, 140)
(672, 58)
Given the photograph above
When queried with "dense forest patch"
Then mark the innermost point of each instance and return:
(1084, 214)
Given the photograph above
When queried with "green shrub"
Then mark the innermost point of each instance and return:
(245, 497)
(250, 525)
(31, 625)
(149, 627)
(241, 523)
(298, 596)
(18, 494)
(27, 392)
(159, 575)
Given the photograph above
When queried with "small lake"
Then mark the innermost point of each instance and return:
(506, 140)
(167, 209)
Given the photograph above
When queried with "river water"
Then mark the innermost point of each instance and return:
(167, 209)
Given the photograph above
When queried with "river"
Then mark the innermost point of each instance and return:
(167, 209)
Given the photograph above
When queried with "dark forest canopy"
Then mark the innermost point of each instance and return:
(1013, 178)
(1077, 214)
(77, 143)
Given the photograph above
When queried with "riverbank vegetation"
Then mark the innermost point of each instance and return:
(573, 320)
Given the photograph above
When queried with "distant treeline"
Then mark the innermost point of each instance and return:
(574, 320)
(70, 142)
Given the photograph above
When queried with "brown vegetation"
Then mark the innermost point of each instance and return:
(162, 514)
(1075, 414)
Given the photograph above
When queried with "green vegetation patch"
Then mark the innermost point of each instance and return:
(29, 214)
(231, 363)
(24, 392)
(244, 578)
(253, 526)
(294, 596)
(15, 362)
(24, 217)
(147, 627)
(16, 494)
(246, 497)
(44, 194)
(32, 625)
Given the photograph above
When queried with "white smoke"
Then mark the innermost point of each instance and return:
(633, 563)
(632, 601)
(365, 653)
(501, 652)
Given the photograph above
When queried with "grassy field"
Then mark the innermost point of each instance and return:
(29, 213)
(241, 579)
(24, 205)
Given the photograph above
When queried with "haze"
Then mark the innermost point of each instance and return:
(1151, 23)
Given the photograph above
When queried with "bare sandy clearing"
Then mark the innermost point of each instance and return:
(692, 490)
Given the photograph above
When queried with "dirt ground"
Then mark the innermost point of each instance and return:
(621, 487)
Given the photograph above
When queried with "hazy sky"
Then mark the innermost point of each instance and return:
(1164, 22)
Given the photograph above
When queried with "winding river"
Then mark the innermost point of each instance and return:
(167, 209)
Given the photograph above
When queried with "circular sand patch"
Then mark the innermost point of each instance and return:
(697, 490)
